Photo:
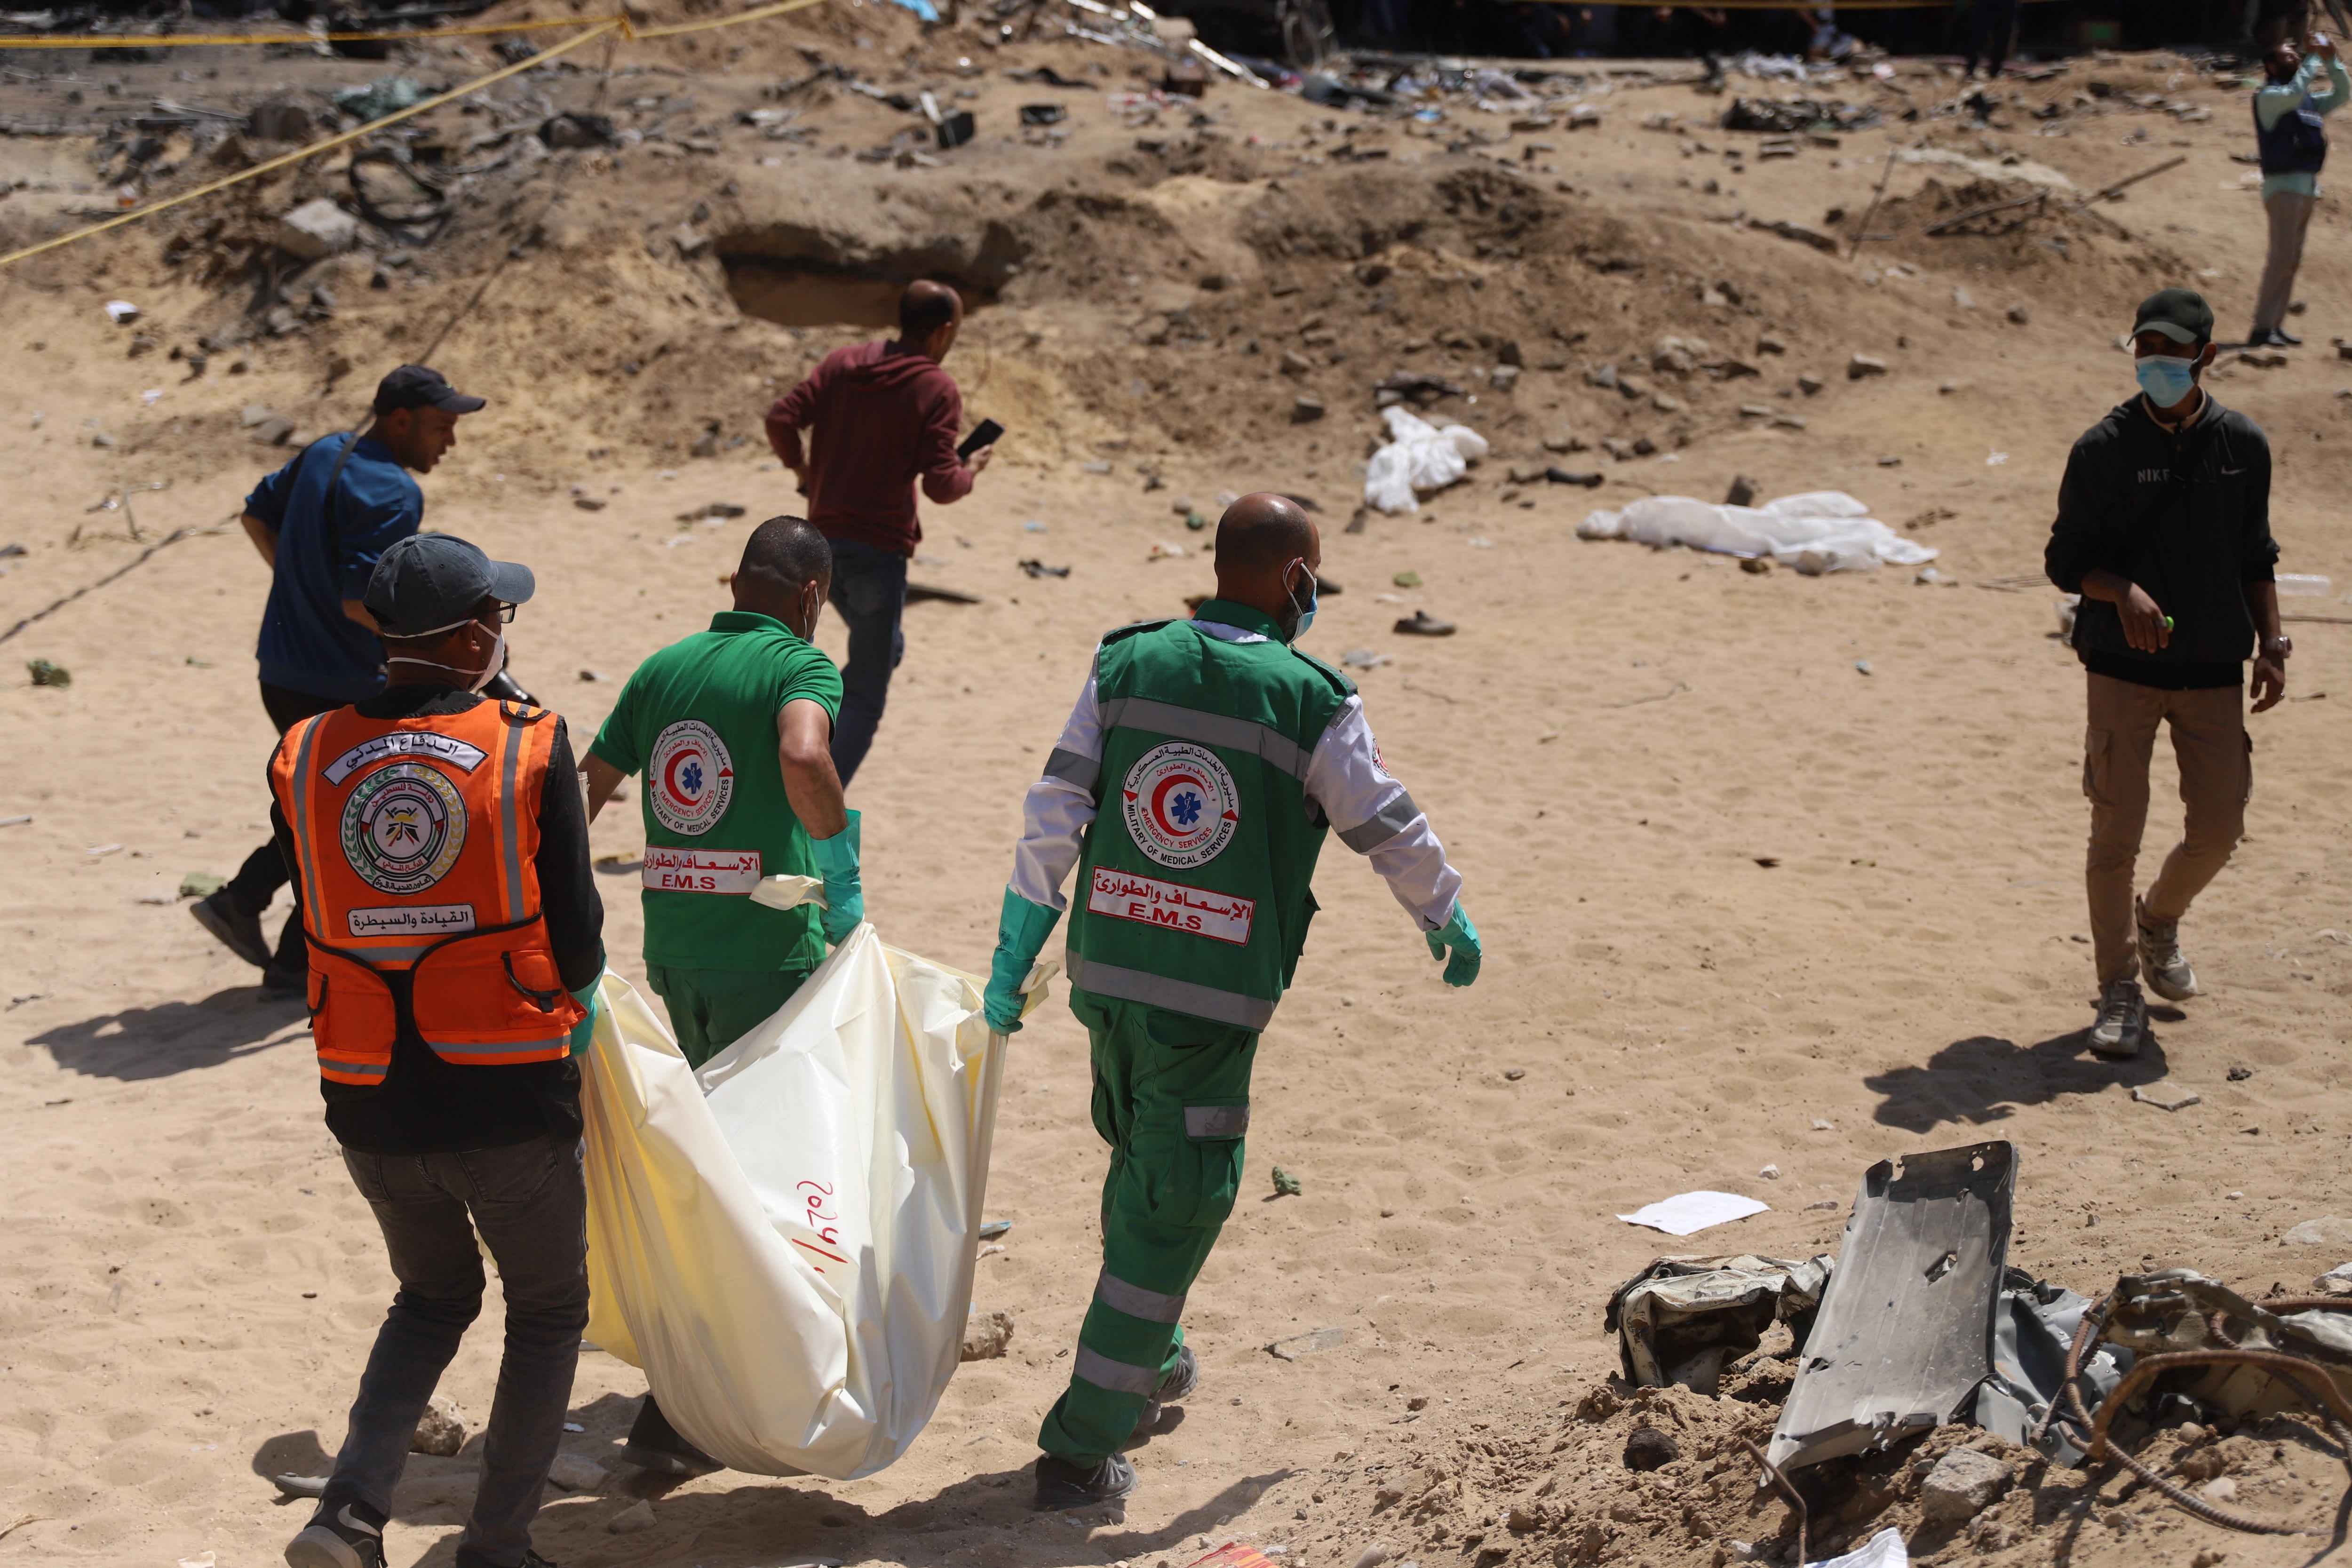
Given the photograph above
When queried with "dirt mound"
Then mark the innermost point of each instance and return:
(2034, 238)
(1663, 1478)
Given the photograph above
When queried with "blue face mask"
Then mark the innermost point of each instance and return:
(1306, 616)
(2165, 379)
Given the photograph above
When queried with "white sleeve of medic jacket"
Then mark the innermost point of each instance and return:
(1055, 815)
(1375, 817)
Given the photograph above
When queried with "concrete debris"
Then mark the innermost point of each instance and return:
(316, 229)
(441, 1430)
(2166, 1096)
(986, 1335)
(1963, 1484)
(574, 1473)
(630, 1521)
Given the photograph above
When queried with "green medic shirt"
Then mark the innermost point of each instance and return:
(698, 719)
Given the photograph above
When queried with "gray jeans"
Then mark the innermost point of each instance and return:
(530, 1202)
(2290, 220)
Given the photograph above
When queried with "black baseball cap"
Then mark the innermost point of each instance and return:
(417, 386)
(2180, 314)
(429, 580)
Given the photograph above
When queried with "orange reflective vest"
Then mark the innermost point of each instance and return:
(414, 841)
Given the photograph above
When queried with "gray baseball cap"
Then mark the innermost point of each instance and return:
(429, 580)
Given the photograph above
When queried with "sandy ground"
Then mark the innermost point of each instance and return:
(1772, 871)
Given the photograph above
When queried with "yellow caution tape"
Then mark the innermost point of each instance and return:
(315, 148)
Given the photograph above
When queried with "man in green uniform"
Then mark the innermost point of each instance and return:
(1191, 790)
(733, 731)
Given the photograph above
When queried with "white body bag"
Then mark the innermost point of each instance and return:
(784, 1241)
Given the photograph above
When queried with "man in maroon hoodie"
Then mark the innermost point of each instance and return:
(884, 415)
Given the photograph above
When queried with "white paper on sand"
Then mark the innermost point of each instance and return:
(1884, 1550)
(1687, 1212)
(1818, 530)
(785, 1240)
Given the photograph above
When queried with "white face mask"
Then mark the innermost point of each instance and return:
(497, 656)
(498, 662)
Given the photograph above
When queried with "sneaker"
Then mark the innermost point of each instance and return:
(1061, 1484)
(236, 931)
(2161, 960)
(1175, 1384)
(654, 1445)
(2122, 1020)
(350, 1536)
(1179, 1380)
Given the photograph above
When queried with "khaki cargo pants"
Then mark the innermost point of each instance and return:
(2217, 775)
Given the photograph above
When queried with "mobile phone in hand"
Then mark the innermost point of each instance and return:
(987, 433)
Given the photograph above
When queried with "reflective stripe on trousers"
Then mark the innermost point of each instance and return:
(1171, 1098)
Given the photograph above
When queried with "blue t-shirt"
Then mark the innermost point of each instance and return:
(308, 644)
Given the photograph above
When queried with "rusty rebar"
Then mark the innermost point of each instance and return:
(2331, 1406)
(1804, 1514)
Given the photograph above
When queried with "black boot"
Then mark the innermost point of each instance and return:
(1061, 1484)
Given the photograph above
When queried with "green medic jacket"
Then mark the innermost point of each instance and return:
(1192, 885)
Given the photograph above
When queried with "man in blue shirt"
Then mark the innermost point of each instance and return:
(321, 522)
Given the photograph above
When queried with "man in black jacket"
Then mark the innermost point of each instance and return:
(2164, 529)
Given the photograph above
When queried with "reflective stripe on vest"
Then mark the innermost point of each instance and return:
(415, 839)
(1176, 995)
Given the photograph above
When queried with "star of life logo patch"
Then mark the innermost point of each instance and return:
(403, 828)
(691, 778)
(1181, 803)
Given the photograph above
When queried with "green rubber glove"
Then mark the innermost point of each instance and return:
(590, 996)
(1460, 935)
(845, 894)
(1021, 932)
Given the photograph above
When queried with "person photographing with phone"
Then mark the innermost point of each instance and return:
(2164, 529)
(883, 416)
(2291, 135)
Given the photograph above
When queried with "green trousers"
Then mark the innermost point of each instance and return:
(1171, 1098)
(710, 1009)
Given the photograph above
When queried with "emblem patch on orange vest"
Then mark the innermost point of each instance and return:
(403, 828)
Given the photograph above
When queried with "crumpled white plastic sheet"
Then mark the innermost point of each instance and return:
(1884, 1550)
(1419, 456)
(1816, 531)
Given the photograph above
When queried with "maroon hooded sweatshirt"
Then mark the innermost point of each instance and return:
(884, 415)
